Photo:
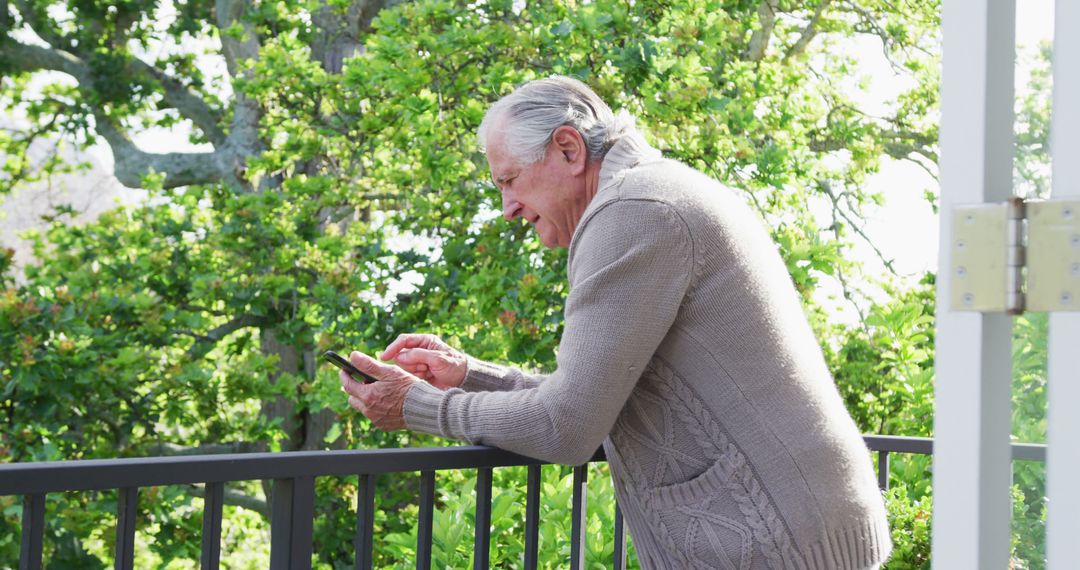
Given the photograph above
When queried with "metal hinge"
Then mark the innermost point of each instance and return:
(1015, 256)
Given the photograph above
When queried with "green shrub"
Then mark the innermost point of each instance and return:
(909, 521)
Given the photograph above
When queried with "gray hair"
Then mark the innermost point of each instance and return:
(528, 117)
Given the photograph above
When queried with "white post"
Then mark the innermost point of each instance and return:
(972, 462)
(1063, 371)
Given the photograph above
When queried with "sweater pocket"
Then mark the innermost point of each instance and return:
(701, 522)
(698, 489)
(701, 497)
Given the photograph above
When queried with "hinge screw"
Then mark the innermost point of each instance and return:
(1066, 298)
(961, 271)
(1076, 270)
(1067, 213)
(969, 299)
(1076, 241)
(960, 244)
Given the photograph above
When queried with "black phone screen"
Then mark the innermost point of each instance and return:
(340, 361)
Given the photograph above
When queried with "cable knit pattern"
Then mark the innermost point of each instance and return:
(729, 471)
(685, 353)
(769, 531)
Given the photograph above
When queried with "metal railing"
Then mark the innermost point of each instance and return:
(886, 444)
(293, 496)
(894, 444)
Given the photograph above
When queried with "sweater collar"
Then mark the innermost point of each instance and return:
(626, 153)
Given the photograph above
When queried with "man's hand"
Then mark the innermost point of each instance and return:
(383, 401)
(428, 357)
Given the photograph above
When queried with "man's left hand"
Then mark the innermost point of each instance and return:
(383, 401)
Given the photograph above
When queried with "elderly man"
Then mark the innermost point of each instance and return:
(685, 353)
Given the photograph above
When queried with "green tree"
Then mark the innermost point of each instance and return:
(338, 197)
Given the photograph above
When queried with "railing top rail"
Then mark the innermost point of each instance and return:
(925, 446)
(1029, 452)
(900, 444)
(101, 474)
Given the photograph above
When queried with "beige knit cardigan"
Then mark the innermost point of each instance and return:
(687, 355)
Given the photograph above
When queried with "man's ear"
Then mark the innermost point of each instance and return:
(571, 147)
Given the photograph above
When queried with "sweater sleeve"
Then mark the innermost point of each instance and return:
(482, 376)
(630, 267)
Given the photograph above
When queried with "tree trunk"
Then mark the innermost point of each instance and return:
(281, 406)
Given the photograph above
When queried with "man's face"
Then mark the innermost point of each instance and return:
(549, 194)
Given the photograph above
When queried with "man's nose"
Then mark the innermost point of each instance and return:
(511, 207)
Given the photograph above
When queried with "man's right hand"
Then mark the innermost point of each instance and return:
(427, 357)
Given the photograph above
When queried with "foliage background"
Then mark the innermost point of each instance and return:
(338, 198)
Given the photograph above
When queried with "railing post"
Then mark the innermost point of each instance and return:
(482, 542)
(365, 521)
(532, 517)
(213, 503)
(33, 527)
(427, 515)
(883, 470)
(620, 539)
(578, 514)
(126, 509)
(291, 520)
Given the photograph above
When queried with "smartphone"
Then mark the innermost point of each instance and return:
(342, 363)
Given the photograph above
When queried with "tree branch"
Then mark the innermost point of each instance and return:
(926, 168)
(243, 139)
(840, 213)
(235, 50)
(761, 36)
(29, 58)
(340, 34)
(180, 169)
(898, 142)
(5, 17)
(28, 171)
(845, 287)
(30, 18)
(809, 32)
(236, 499)
(205, 342)
(132, 163)
(873, 27)
(202, 309)
(189, 103)
(901, 144)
